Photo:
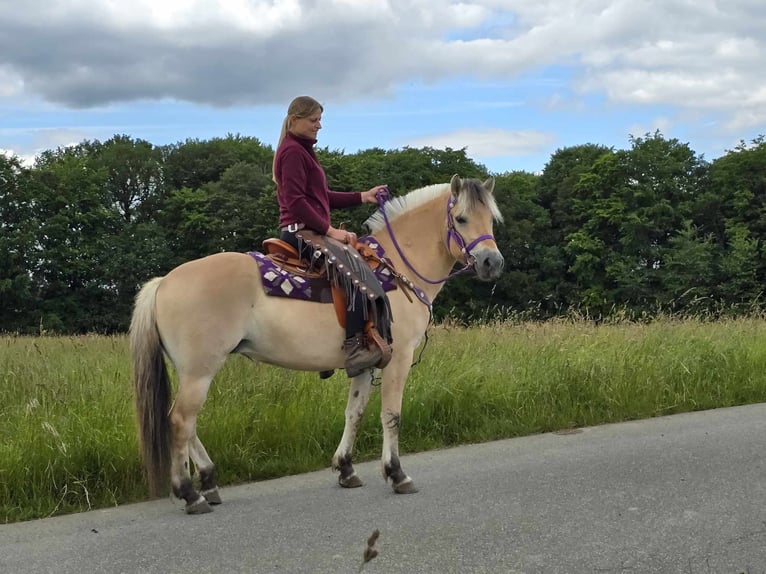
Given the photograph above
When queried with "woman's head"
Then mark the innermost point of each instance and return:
(304, 119)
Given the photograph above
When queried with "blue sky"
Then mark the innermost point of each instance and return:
(512, 81)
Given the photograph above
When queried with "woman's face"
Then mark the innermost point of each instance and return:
(307, 127)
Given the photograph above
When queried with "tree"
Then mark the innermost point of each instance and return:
(17, 298)
(688, 274)
(556, 194)
(134, 176)
(556, 186)
(194, 163)
(219, 197)
(650, 227)
(741, 261)
(733, 211)
(75, 220)
(629, 205)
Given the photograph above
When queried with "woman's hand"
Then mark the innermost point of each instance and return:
(341, 235)
(370, 196)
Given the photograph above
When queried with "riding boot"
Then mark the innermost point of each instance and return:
(359, 357)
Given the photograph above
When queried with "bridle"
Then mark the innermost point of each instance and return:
(452, 234)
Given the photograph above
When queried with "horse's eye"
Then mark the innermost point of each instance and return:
(461, 219)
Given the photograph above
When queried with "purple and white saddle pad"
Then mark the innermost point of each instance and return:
(282, 283)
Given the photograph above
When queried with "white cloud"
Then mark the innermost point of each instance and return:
(663, 124)
(490, 142)
(43, 139)
(743, 119)
(11, 83)
(27, 160)
(705, 55)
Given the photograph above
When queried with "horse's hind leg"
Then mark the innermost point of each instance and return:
(206, 470)
(358, 395)
(192, 393)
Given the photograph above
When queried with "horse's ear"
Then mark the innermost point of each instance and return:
(489, 184)
(455, 185)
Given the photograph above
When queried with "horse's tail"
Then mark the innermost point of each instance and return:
(152, 389)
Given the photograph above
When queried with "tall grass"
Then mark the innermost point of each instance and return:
(67, 430)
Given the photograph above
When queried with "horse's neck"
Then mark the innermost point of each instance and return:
(422, 237)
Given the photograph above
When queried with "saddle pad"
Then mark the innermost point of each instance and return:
(281, 283)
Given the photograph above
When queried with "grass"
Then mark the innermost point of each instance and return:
(67, 431)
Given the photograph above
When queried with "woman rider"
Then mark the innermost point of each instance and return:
(305, 203)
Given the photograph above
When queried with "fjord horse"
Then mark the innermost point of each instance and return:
(206, 309)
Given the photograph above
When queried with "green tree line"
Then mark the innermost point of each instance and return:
(651, 228)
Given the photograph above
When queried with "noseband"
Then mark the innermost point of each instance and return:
(452, 234)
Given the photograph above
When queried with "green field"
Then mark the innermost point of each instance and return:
(67, 431)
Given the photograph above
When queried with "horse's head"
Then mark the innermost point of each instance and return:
(470, 217)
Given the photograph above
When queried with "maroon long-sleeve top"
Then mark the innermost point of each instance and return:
(303, 194)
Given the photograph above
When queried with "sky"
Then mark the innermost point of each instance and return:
(511, 81)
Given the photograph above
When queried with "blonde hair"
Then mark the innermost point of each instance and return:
(300, 107)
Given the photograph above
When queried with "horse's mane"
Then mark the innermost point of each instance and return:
(398, 205)
(473, 192)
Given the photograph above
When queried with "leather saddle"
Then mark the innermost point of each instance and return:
(286, 256)
(335, 271)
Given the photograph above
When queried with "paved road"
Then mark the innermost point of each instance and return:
(681, 494)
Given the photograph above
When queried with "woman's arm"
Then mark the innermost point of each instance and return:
(344, 199)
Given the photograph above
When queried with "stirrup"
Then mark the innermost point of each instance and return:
(374, 338)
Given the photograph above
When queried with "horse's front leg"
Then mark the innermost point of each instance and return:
(392, 389)
(358, 396)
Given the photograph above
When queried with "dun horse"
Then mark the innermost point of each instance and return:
(206, 309)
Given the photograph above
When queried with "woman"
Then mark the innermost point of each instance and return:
(305, 202)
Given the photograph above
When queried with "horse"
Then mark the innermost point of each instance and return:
(206, 309)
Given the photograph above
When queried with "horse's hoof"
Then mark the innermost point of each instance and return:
(405, 487)
(212, 496)
(352, 481)
(199, 506)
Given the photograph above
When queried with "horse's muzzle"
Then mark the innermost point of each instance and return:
(488, 264)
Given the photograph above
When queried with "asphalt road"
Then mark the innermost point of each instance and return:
(680, 494)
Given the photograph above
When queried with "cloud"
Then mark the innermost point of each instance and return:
(11, 83)
(223, 52)
(25, 159)
(703, 55)
(42, 139)
(662, 123)
(490, 142)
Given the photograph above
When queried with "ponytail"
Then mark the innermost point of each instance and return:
(282, 135)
